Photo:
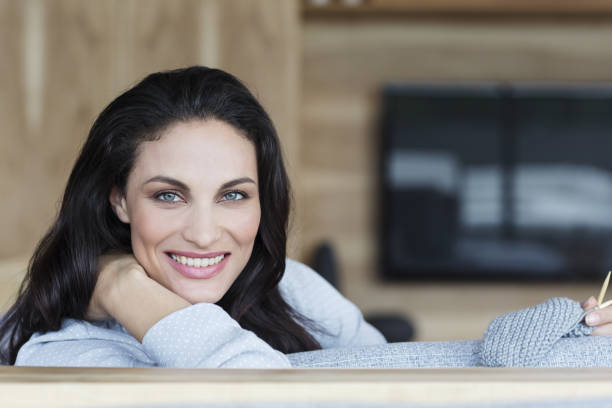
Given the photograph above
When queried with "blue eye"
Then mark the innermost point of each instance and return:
(168, 196)
(233, 196)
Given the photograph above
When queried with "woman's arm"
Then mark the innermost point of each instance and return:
(125, 292)
(164, 329)
(312, 296)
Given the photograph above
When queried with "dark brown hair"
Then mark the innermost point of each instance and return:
(62, 272)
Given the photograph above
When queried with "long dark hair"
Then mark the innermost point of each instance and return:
(62, 272)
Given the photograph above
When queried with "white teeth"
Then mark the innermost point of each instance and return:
(197, 262)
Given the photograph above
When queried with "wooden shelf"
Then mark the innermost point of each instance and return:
(566, 8)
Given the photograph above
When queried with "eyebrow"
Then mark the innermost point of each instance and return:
(183, 186)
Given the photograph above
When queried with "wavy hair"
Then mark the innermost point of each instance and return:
(63, 270)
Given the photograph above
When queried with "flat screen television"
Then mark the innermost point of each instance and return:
(496, 181)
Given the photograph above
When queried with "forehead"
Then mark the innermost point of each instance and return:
(197, 152)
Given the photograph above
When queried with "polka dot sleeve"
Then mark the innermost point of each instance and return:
(204, 335)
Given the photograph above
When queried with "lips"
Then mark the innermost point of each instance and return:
(197, 262)
(201, 272)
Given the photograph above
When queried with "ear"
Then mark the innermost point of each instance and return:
(119, 205)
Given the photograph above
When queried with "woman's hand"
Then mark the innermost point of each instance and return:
(601, 319)
(125, 292)
(112, 268)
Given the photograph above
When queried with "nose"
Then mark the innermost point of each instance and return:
(202, 227)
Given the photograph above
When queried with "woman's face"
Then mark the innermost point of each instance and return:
(192, 203)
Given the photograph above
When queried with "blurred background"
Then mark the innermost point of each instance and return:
(449, 158)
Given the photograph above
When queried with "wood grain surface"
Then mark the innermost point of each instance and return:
(345, 64)
(63, 61)
(99, 387)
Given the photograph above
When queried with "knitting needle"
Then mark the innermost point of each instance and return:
(604, 305)
(599, 305)
(604, 288)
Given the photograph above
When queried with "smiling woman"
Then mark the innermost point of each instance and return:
(173, 210)
(169, 247)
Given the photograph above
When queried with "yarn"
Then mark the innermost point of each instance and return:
(525, 337)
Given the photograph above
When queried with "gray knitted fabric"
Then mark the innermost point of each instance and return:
(551, 334)
(577, 403)
(525, 337)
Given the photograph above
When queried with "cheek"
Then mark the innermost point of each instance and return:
(244, 226)
(148, 228)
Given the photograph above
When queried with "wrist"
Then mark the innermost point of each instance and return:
(133, 290)
(127, 285)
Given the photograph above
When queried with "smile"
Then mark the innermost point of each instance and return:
(201, 268)
(197, 262)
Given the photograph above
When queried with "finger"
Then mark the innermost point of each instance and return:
(592, 319)
(589, 303)
(605, 330)
(599, 317)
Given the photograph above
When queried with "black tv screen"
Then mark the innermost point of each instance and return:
(499, 181)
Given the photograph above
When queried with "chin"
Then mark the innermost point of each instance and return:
(194, 298)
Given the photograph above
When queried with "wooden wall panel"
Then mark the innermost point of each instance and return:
(13, 128)
(259, 42)
(154, 35)
(345, 62)
(62, 61)
(458, 7)
(75, 63)
(452, 50)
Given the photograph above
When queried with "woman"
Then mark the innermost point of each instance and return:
(169, 247)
